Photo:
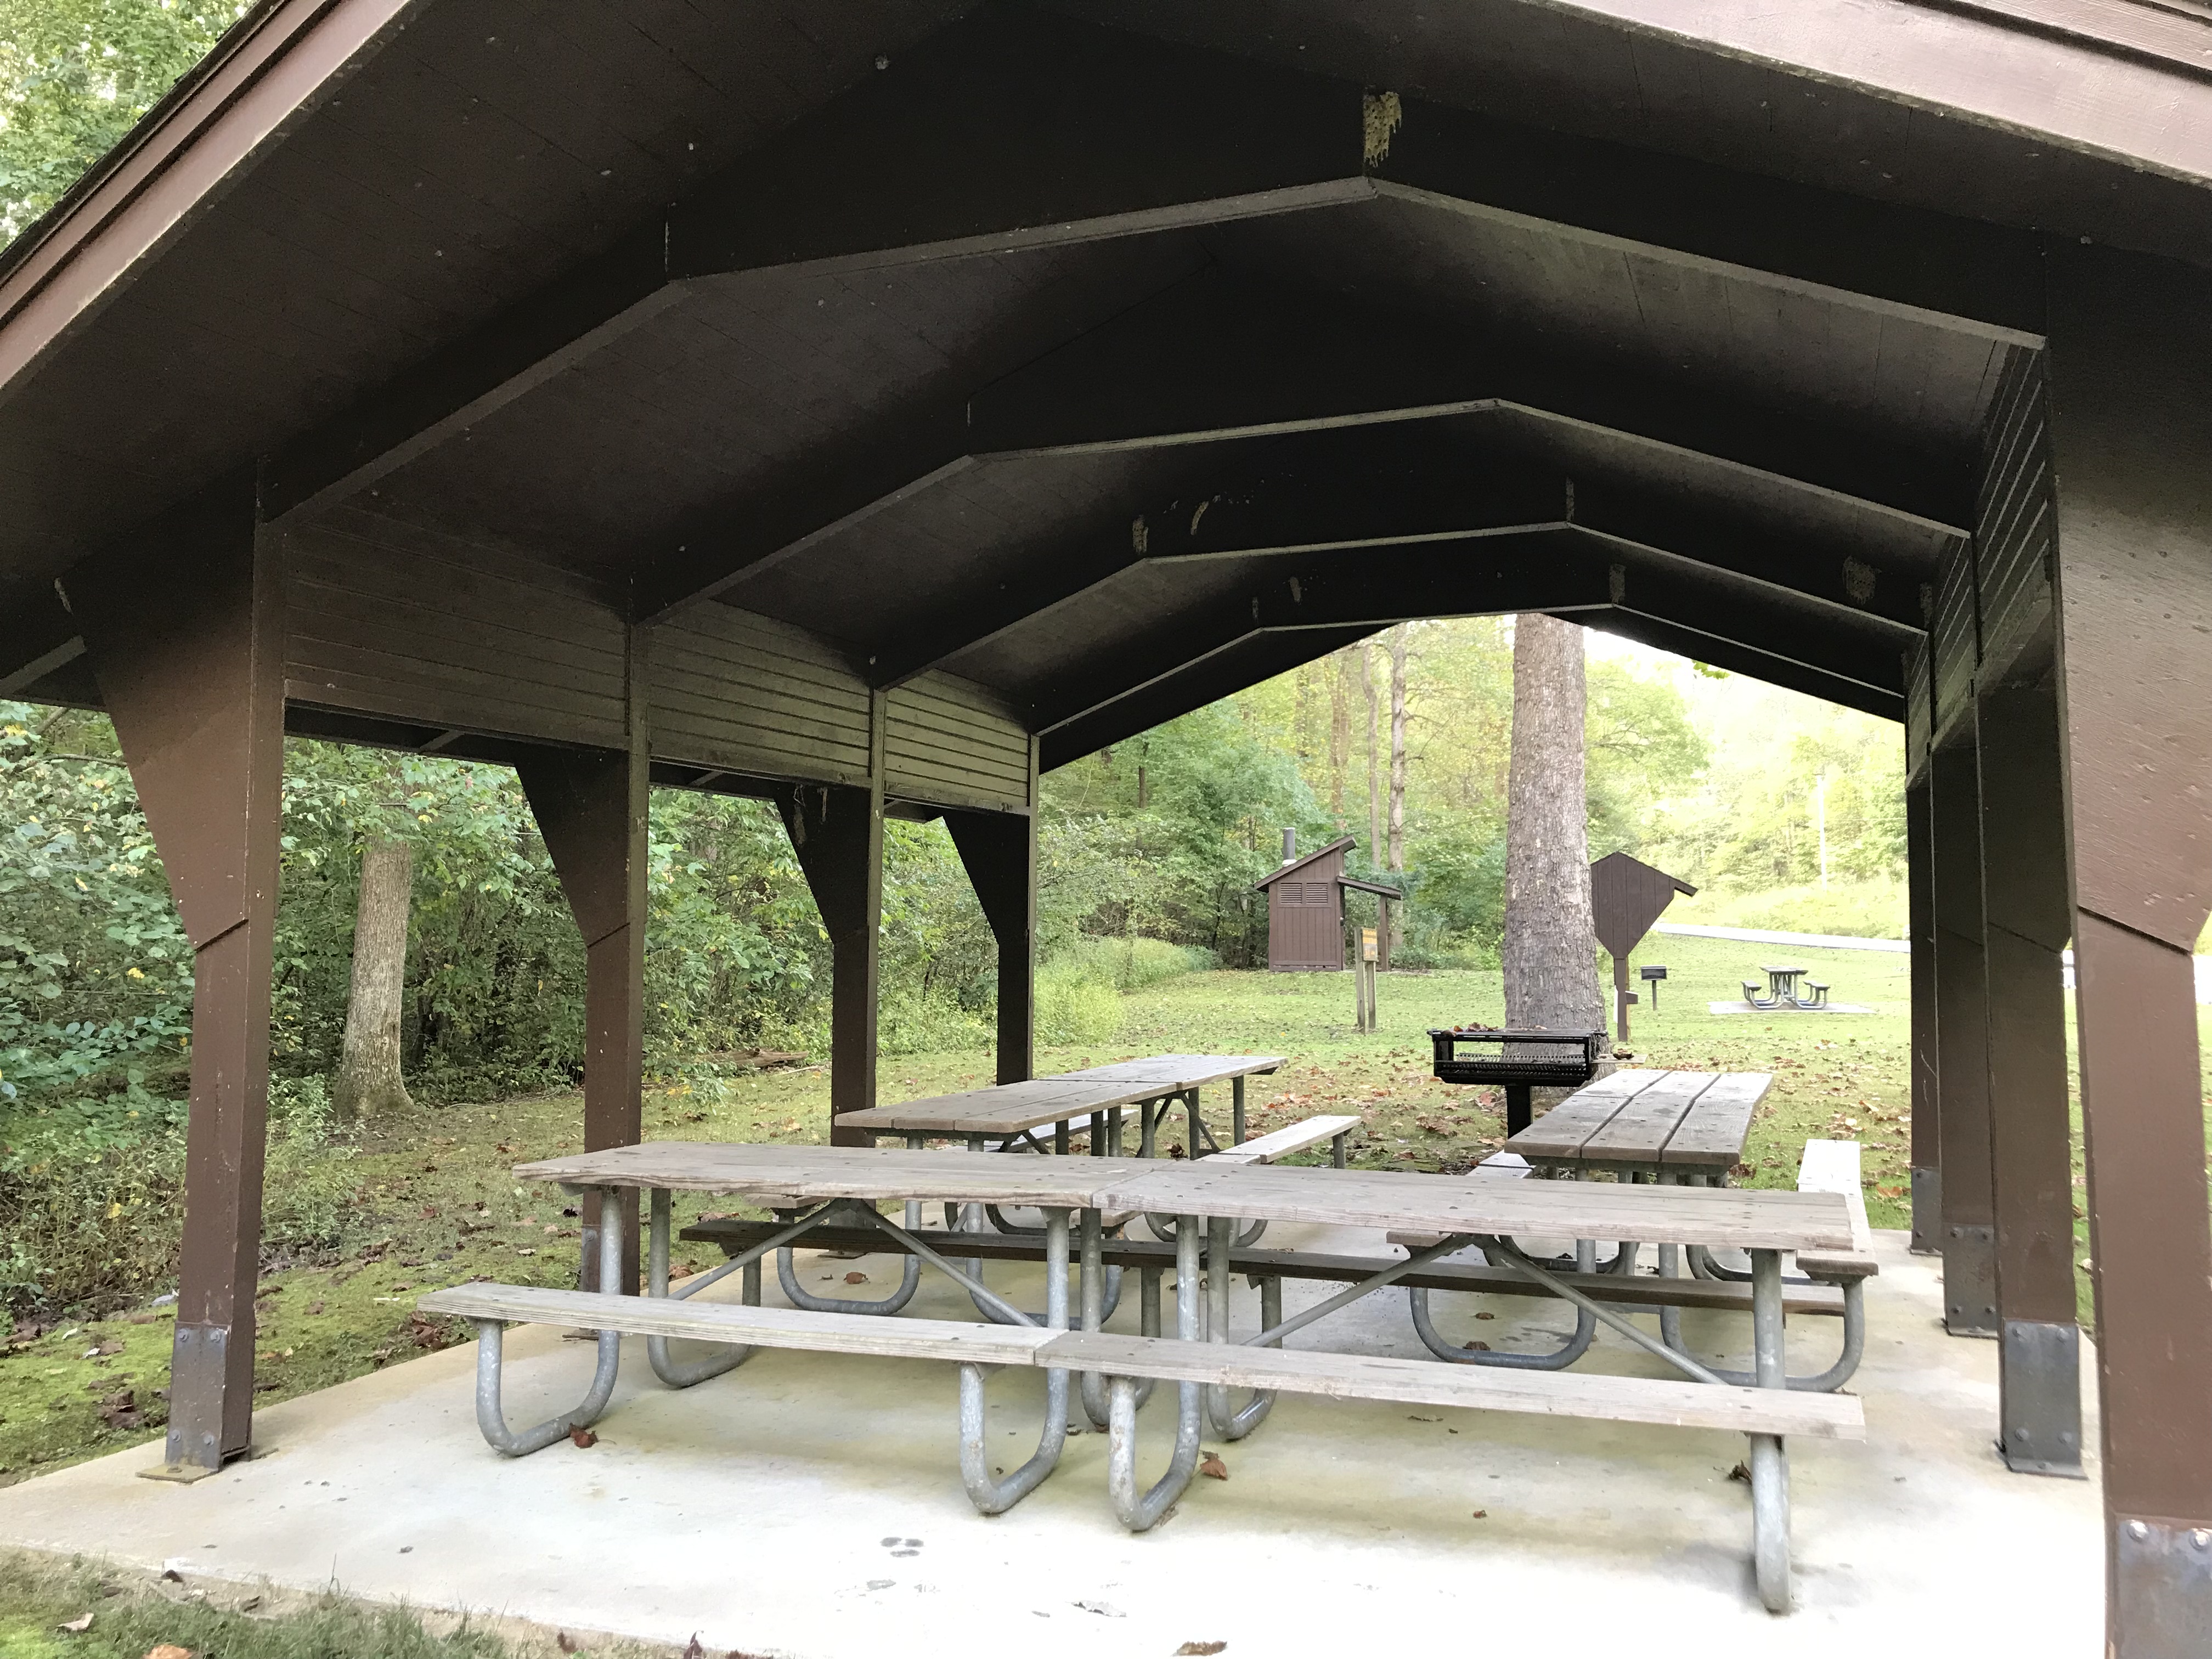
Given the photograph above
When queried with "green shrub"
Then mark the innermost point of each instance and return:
(1131, 964)
(95, 1204)
(1076, 1003)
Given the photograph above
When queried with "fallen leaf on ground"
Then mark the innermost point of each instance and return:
(1482, 1514)
(77, 1626)
(856, 1278)
(1486, 1316)
(1412, 1417)
(1213, 1469)
(1741, 1472)
(1200, 1647)
(168, 1651)
(1479, 1348)
(586, 1439)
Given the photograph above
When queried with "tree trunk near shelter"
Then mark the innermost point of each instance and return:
(1339, 733)
(369, 1083)
(1551, 941)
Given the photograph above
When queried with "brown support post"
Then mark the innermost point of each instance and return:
(591, 807)
(2131, 424)
(998, 851)
(1969, 1237)
(837, 831)
(1927, 1148)
(2027, 918)
(185, 633)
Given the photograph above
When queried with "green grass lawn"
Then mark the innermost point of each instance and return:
(435, 1205)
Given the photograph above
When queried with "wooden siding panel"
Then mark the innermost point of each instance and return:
(390, 620)
(1919, 707)
(1956, 639)
(2016, 525)
(1305, 919)
(738, 691)
(949, 742)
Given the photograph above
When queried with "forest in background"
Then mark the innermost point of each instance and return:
(1148, 855)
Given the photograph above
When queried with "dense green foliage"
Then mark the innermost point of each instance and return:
(76, 73)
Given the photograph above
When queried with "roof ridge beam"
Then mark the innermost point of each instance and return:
(1270, 496)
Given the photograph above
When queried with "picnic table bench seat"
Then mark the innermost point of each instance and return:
(1338, 1376)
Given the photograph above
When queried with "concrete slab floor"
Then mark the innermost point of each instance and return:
(809, 1507)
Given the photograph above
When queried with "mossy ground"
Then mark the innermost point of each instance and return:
(132, 1614)
(435, 1205)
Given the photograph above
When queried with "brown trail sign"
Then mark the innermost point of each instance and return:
(1626, 897)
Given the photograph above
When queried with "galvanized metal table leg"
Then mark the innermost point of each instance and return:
(1569, 1350)
(1237, 1110)
(1769, 1462)
(491, 1416)
(786, 1277)
(1101, 1295)
(990, 1494)
(675, 1374)
(1059, 1138)
(1097, 1140)
(1114, 1132)
(1141, 1512)
(1234, 1425)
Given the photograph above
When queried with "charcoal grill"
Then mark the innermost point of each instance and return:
(1549, 1059)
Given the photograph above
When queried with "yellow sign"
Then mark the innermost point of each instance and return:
(1367, 945)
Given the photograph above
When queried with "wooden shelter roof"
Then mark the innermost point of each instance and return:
(1103, 356)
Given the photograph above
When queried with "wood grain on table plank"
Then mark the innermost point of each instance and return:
(1639, 1130)
(1181, 1071)
(1425, 1382)
(1713, 1132)
(731, 1322)
(808, 1174)
(1559, 1133)
(1358, 1198)
(1008, 1109)
(1546, 1209)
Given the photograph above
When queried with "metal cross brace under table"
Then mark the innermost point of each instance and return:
(1209, 1200)
(1686, 1129)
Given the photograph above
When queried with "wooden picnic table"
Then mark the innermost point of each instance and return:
(1356, 1198)
(1648, 1125)
(1009, 1112)
(1209, 1197)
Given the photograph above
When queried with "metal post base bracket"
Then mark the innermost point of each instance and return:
(1970, 1281)
(2042, 1399)
(1927, 1212)
(2162, 1590)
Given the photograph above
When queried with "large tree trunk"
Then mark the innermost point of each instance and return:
(368, 1080)
(1551, 944)
(1396, 862)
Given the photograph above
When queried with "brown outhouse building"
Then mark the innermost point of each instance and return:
(1305, 909)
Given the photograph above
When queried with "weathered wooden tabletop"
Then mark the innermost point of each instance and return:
(1358, 1198)
(1694, 1121)
(1011, 1108)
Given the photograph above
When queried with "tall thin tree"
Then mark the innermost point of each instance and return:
(1374, 752)
(1399, 637)
(1339, 732)
(1551, 942)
